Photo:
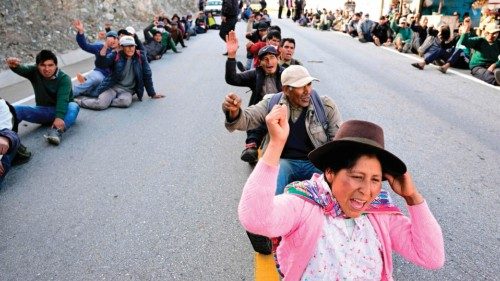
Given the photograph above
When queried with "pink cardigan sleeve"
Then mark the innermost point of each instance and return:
(419, 238)
(263, 213)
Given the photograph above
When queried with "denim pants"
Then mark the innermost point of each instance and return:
(92, 80)
(294, 170)
(46, 114)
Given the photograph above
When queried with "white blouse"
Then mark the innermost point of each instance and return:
(348, 249)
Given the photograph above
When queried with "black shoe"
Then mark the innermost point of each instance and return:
(23, 155)
(53, 136)
(417, 65)
(240, 66)
(225, 54)
(250, 153)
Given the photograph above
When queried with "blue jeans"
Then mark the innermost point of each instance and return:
(92, 80)
(46, 114)
(294, 170)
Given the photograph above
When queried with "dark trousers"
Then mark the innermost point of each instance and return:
(280, 11)
(288, 13)
(482, 73)
(459, 60)
(256, 135)
(226, 26)
(435, 53)
(7, 157)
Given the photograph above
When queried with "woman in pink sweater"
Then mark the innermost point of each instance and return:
(341, 224)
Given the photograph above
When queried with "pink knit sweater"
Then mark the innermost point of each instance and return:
(417, 238)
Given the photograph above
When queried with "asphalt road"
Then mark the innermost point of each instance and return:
(151, 192)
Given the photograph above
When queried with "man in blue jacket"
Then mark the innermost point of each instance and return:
(95, 77)
(131, 74)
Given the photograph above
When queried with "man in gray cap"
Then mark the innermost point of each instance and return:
(314, 120)
(263, 80)
(131, 74)
(88, 83)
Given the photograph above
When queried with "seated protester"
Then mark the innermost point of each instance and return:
(88, 83)
(337, 21)
(189, 26)
(420, 31)
(484, 61)
(352, 26)
(258, 35)
(286, 52)
(175, 32)
(341, 224)
(131, 74)
(402, 41)
(212, 24)
(315, 20)
(307, 128)
(436, 47)
(264, 79)
(365, 28)
(201, 25)
(460, 57)
(53, 95)
(303, 20)
(273, 38)
(154, 47)
(324, 22)
(180, 25)
(381, 32)
(9, 140)
(166, 38)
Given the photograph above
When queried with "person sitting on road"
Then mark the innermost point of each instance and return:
(286, 52)
(352, 25)
(175, 33)
(340, 224)
(402, 41)
(9, 140)
(420, 31)
(365, 28)
(212, 24)
(131, 74)
(436, 47)
(53, 95)
(153, 43)
(381, 32)
(166, 39)
(308, 129)
(484, 63)
(200, 23)
(460, 57)
(88, 83)
(262, 80)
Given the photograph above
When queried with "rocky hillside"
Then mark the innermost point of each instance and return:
(26, 27)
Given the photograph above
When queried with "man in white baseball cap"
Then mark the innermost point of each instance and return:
(130, 76)
(313, 120)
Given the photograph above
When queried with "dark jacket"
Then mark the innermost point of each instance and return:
(253, 79)
(117, 62)
(382, 31)
(93, 49)
(229, 8)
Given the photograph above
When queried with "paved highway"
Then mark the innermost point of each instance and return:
(151, 192)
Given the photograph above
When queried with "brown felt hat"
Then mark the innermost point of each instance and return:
(353, 136)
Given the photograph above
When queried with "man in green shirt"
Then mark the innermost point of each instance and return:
(53, 95)
(484, 63)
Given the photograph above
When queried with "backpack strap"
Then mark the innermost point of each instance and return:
(319, 111)
(275, 99)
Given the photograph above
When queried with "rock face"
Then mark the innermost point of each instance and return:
(26, 27)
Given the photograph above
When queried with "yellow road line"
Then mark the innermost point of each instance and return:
(265, 268)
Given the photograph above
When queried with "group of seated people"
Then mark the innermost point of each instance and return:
(121, 71)
(459, 46)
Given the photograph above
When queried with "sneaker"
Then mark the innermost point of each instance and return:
(497, 76)
(250, 153)
(240, 66)
(23, 155)
(53, 136)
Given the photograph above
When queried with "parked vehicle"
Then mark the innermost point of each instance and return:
(214, 7)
